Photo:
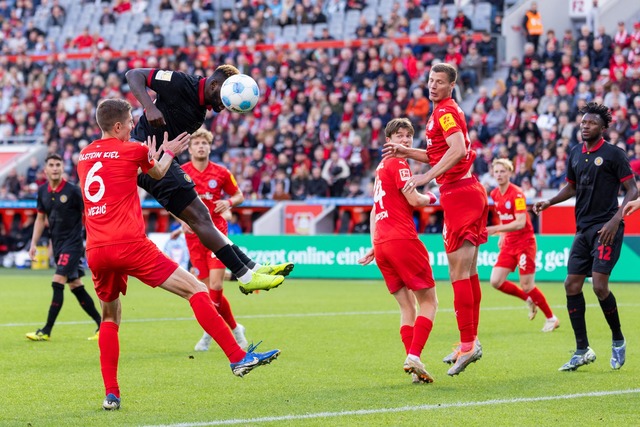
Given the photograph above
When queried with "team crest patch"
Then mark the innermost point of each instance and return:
(521, 204)
(165, 76)
(508, 204)
(447, 122)
(63, 198)
(187, 177)
(405, 174)
(598, 161)
(213, 183)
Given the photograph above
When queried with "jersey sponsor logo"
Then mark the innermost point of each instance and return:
(405, 174)
(521, 204)
(508, 204)
(382, 215)
(447, 122)
(213, 183)
(63, 198)
(187, 178)
(165, 76)
(506, 217)
(598, 161)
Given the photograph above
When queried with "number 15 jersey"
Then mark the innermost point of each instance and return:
(394, 214)
(108, 169)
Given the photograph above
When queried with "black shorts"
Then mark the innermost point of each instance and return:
(588, 255)
(175, 191)
(69, 261)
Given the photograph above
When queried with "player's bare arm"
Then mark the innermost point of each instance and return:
(171, 149)
(517, 224)
(38, 229)
(567, 192)
(137, 79)
(457, 150)
(608, 231)
(370, 256)
(224, 205)
(393, 149)
(631, 207)
(417, 199)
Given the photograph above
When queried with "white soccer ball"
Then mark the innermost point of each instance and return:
(240, 93)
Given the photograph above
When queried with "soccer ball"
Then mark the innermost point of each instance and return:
(239, 93)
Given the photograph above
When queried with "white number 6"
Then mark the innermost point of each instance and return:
(91, 178)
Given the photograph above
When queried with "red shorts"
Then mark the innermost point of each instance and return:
(465, 207)
(404, 263)
(202, 259)
(112, 264)
(523, 256)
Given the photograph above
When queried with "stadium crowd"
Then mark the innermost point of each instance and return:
(319, 124)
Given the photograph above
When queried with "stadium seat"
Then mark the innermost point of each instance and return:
(482, 17)
(303, 31)
(317, 29)
(289, 33)
(434, 13)
(414, 25)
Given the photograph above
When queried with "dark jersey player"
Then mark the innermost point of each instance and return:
(595, 172)
(60, 203)
(181, 105)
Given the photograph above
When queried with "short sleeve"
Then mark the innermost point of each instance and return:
(145, 162)
(519, 203)
(164, 82)
(230, 185)
(401, 173)
(449, 120)
(39, 205)
(623, 167)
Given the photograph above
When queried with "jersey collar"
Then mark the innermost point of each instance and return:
(58, 189)
(201, 93)
(595, 148)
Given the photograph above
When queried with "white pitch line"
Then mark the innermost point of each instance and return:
(431, 407)
(288, 315)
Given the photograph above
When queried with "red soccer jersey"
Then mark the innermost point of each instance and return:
(108, 170)
(394, 214)
(447, 118)
(210, 183)
(509, 204)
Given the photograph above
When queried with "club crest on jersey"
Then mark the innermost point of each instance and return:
(63, 198)
(447, 122)
(213, 183)
(405, 174)
(187, 177)
(508, 204)
(164, 75)
(598, 161)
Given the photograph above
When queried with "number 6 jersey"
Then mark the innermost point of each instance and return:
(108, 169)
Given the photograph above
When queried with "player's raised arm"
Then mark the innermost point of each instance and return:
(391, 149)
(171, 149)
(137, 79)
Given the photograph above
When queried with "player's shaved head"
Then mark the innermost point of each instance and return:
(396, 124)
(448, 69)
(112, 111)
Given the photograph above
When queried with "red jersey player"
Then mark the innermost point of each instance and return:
(400, 255)
(517, 245)
(212, 181)
(464, 204)
(117, 246)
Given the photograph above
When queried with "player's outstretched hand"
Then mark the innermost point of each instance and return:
(154, 153)
(415, 181)
(631, 207)
(391, 149)
(154, 116)
(177, 145)
(367, 258)
(540, 206)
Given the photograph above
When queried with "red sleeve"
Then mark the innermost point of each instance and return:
(519, 203)
(401, 172)
(230, 185)
(449, 120)
(142, 157)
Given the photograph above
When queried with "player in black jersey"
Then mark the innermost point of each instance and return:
(595, 171)
(60, 202)
(181, 105)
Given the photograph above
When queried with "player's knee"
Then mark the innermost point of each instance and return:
(496, 282)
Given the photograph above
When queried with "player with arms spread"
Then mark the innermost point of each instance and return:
(517, 245)
(181, 106)
(61, 203)
(464, 203)
(212, 181)
(595, 172)
(117, 246)
(400, 255)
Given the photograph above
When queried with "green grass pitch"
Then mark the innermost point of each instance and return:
(341, 362)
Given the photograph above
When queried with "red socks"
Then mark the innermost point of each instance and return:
(463, 305)
(421, 331)
(538, 299)
(510, 288)
(222, 304)
(406, 333)
(477, 297)
(109, 354)
(215, 326)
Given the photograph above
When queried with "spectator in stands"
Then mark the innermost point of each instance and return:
(318, 186)
(471, 68)
(147, 26)
(108, 17)
(532, 25)
(57, 17)
(559, 175)
(32, 170)
(158, 38)
(335, 172)
(13, 183)
(122, 6)
(496, 118)
(462, 23)
(83, 41)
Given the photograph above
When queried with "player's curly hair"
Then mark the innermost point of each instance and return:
(599, 109)
(226, 70)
